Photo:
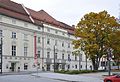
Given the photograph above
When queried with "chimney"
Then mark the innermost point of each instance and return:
(73, 26)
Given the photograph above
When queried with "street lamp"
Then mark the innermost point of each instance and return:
(54, 58)
(80, 61)
(109, 56)
(1, 53)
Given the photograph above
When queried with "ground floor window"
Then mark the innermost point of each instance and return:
(68, 66)
(0, 65)
(25, 66)
(75, 66)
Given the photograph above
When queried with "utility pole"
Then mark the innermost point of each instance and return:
(109, 56)
(80, 61)
(1, 53)
(54, 58)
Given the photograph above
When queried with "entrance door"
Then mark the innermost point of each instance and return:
(48, 67)
(12, 66)
(56, 66)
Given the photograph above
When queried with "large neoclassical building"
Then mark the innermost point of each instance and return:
(30, 37)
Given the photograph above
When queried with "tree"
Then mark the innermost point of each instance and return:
(94, 30)
(115, 41)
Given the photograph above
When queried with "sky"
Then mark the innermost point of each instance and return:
(71, 11)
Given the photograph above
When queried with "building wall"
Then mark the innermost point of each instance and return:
(25, 38)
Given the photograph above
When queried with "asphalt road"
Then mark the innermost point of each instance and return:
(25, 78)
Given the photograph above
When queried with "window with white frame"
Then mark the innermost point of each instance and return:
(63, 56)
(39, 40)
(26, 24)
(63, 33)
(39, 28)
(48, 55)
(13, 50)
(48, 41)
(1, 33)
(62, 44)
(75, 58)
(55, 42)
(69, 57)
(13, 21)
(75, 66)
(13, 34)
(48, 29)
(25, 51)
(38, 54)
(25, 66)
(68, 45)
(56, 31)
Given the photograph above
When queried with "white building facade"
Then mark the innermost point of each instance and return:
(23, 40)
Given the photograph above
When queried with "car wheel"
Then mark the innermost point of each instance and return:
(108, 81)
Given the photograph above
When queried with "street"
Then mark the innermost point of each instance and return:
(25, 78)
(53, 77)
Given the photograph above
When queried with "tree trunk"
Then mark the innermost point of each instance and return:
(95, 63)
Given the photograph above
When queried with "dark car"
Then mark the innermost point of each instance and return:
(115, 78)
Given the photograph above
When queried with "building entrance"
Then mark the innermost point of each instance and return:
(13, 67)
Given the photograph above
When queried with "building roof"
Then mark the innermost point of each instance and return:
(15, 10)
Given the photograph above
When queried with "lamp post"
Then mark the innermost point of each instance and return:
(109, 56)
(80, 61)
(54, 58)
(1, 53)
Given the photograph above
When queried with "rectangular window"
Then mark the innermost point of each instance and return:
(48, 41)
(13, 50)
(48, 55)
(39, 40)
(39, 28)
(25, 24)
(25, 66)
(13, 21)
(68, 45)
(48, 29)
(69, 57)
(56, 31)
(0, 33)
(55, 42)
(75, 66)
(63, 56)
(75, 58)
(25, 51)
(38, 54)
(62, 44)
(69, 66)
(13, 34)
(0, 65)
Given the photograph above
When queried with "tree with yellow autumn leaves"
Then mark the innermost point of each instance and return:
(96, 32)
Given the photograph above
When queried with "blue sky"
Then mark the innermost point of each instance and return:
(71, 11)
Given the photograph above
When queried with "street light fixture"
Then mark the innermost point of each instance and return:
(1, 53)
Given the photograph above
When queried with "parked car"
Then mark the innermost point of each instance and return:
(115, 78)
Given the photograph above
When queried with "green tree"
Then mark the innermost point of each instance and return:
(94, 30)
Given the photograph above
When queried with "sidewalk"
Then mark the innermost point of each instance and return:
(69, 78)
